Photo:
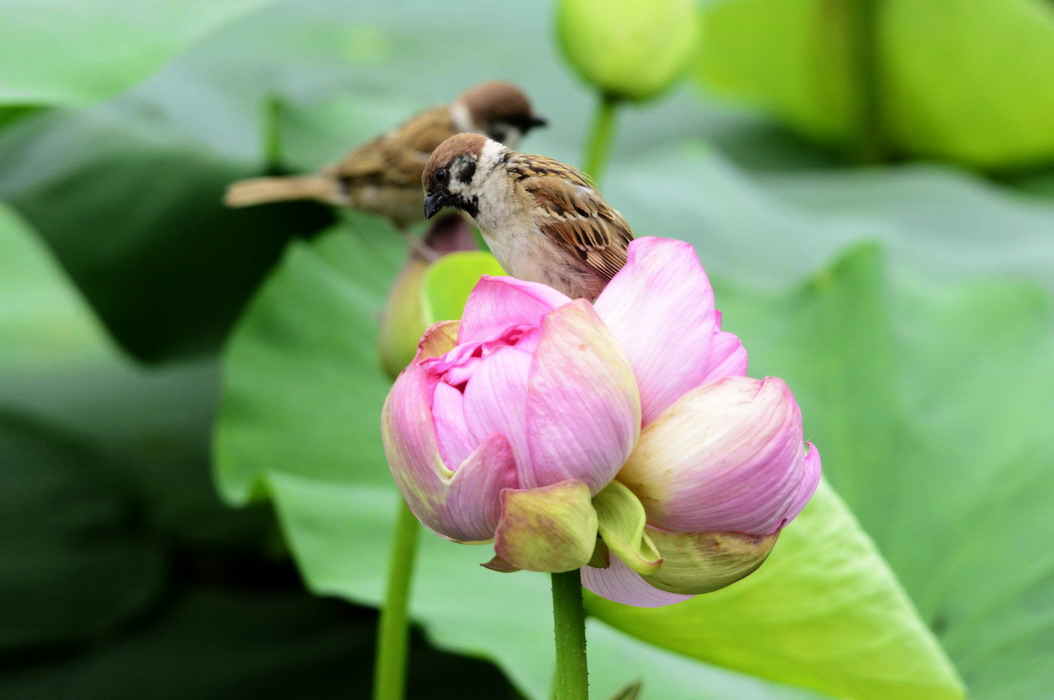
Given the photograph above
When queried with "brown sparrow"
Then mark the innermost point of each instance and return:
(543, 220)
(383, 176)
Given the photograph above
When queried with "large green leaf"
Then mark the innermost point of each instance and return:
(772, 231)
(133, 211)
(72, 564)
(965, 80)
(80, 569)
(64, 52)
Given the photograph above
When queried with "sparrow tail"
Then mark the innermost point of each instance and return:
(246, 193)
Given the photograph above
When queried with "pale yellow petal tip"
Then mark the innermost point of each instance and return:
(439, 339)
(551, 528)
(703, 562)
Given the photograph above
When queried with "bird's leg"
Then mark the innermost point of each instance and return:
(418, 246)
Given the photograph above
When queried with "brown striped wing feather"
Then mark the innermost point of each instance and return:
(573, 214)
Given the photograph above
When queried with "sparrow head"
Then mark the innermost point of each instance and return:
(498, 109)
(454, 173)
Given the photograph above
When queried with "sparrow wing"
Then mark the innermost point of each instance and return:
(398, 157)
(573, 214)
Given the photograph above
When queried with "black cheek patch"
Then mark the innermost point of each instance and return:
(469, 206)
(468, 171)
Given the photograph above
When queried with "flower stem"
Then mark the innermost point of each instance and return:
(272, 133)
(569, 626)
(600, 137)
(389, 678)
(863, 39)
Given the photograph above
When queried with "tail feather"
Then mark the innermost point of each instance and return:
(246, 193)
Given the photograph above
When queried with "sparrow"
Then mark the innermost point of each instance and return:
(543, 220)
(383, 176)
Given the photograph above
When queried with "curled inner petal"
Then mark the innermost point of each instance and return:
(500, 302)
(496, 400)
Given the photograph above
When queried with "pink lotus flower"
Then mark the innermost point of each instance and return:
(516, 432)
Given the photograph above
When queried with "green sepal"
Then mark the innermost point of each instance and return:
(551, 528)
(701, 562)
(621, 520)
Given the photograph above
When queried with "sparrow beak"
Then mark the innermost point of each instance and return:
(433, 203)
(534, 121)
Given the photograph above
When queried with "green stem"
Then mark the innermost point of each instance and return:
(863, 26)
(569, 626)
(272, 134)
(600, 137)
(389, 677)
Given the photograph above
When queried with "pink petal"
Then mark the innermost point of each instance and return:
(496, 400)
(583, 414)
(727, 457)
(409, 435)
(448, 412)
(810, 480)
(497, 303)
(472, 508)
(464, 505)
(622, 584)
(660, 308)
(728, 358)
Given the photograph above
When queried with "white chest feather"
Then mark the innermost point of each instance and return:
(505, 219)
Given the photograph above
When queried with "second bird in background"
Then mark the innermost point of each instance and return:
(543, 220)
(383, 176)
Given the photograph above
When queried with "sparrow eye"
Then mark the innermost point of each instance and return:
(442, 175)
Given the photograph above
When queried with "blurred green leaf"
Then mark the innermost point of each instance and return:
(42, 320)
(145, 433)
(964, 80)
(82, 568)
(73, 563)
(772, 231)
(323, 308)
(930, 404)
(133, 212)
(64, 52)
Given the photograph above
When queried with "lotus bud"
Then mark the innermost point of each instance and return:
(405, 315)
(505, 425)
(629, 49)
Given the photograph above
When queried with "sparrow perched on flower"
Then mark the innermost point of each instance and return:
(543, 220)
(383, 176)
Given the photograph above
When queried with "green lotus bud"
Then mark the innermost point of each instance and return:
(409, 311)
(629, 49)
